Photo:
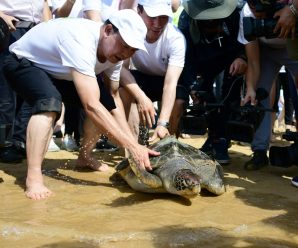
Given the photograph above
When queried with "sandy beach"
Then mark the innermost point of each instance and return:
(259, 208)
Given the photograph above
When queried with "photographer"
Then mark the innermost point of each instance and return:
(265, 58)
(286, 26)
(211, 29)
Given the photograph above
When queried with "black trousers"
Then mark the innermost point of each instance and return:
(13, 111)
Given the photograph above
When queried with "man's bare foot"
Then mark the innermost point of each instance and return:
(35, 189)
(92, 163)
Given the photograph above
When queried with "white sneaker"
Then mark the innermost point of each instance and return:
(52, 146)
(69, 144)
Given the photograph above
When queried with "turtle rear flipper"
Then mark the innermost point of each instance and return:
(122, 165)
(147, 178)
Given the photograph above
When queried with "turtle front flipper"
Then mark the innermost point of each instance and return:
(147, 178)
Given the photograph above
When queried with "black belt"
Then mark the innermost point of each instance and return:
(24, 24)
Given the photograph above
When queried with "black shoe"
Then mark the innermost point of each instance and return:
(12, 154)
(220, 150)
(104, 145)
(58, 134)
(207, 147)
(295, 181)
(258, 161)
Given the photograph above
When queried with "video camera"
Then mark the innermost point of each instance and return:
(285, 156)
(242, 123)
(195, 120)
(254, 28)
(245, 120)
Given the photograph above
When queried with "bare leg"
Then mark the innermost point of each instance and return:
(39, 133)
(131, 111)
(119, 114)
(85, 159)
(176, 115)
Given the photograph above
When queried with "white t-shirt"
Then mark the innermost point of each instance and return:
(26, 10)
(169, 49)
(106, 7)
(275, 42)
(60, 44)
(79, 6)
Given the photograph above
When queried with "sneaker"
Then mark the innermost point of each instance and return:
(295, 181)
(220, 151)
(69, 144)
(103, 145)
(53, 147)
(207, 147)
(258, 161)
(12, 154)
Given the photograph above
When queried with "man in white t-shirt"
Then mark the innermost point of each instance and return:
(265, 59)
(61, 65)
(99, 11)
(157, 72)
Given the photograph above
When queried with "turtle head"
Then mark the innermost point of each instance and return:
(186, 183)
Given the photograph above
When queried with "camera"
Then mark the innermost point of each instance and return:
(245, 120)
(254, 28)
(285, 156)
(242, 122)
(195, 120)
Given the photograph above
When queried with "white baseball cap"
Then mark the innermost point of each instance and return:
(131, 27)
(155, 8)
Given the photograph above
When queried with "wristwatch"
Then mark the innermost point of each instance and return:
(165, 124)
(294, 10)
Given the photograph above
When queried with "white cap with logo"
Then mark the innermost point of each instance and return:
(155, 8)
(131, 27)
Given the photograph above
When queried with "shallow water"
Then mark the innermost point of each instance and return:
(88, 210)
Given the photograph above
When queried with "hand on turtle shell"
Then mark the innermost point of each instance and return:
(140, 155)
(159, 132)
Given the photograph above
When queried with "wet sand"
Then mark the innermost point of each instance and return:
(260, 209)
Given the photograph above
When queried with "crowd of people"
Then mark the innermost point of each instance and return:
(99, 73)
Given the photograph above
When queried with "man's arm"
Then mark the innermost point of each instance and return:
(9, 21)
(128, 4)
(253, 70)
(118, 113)
(47, 14)
(145, 105)
(65, 9)
(168, 99)
(89, 94)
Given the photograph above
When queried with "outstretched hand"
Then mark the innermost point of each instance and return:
(250, 97)
(285, 26)
(140, 155)
(159, 132)
(146, 111)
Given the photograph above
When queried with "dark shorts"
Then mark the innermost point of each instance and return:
(153, 86)
(41, 91)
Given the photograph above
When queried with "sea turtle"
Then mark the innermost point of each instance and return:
(180, 169)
